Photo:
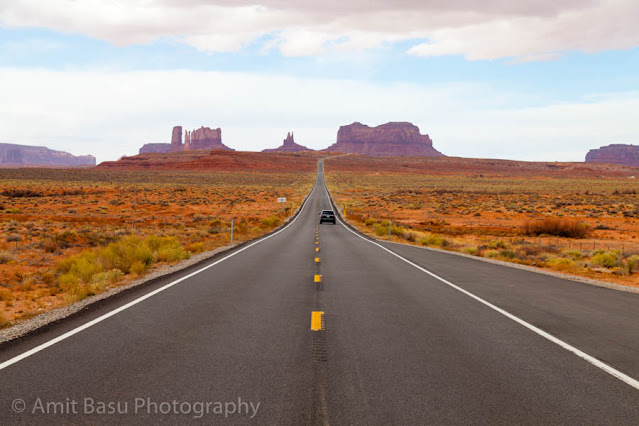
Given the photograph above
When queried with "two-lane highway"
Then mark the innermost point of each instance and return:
(397, 344)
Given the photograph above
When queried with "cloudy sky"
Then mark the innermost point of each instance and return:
(524, 79)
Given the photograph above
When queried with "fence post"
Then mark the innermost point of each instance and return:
(231, 231)
(389, 230)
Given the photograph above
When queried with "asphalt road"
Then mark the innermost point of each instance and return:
(440, 340)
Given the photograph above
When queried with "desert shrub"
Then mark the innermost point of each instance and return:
(470, 250)
(434, 240)
(491, 254)
(48, 278)
(381, 230)
(66, 239)
(171, 251)
(19, 193)
(50, 245)
(561, 263)
(370, 222)
(397, 230)
(108, 277)
(411, 236)
(556, 227)
(498, 244)
(195, 247)
(632, 263)
(5, 294)
(270, 221)
(138, 268)
(128, 255)
(509, 254)
(574, 254)
(608, 259)
(5, 257)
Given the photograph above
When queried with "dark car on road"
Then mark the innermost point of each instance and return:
(327, 216)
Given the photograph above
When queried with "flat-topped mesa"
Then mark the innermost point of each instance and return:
(625, 155)
(26, 155)
(204, 138)
(393, 139)
(289, 145)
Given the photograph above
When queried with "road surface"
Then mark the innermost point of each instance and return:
(391, 335)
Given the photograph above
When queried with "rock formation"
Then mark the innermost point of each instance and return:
(176, 138)
(387, 140)
(155, 147)
(25, 155)
(625, 155)
(202, 138)
(289, 145)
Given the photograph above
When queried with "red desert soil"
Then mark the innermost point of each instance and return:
(218, 160)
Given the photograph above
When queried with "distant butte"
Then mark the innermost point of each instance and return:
(203, 138)
(622, 154)
(25, 155)
(289, 145)
(395, 139)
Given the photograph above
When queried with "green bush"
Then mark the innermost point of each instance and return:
(561, 263)
(608, 259)
(381, 230)
(470, 250)
(434, 240)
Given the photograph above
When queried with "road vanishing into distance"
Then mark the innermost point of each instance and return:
(316, 324)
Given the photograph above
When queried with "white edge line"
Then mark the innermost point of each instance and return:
(581, 354)
(109, 314)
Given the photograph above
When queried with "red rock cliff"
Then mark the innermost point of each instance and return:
(625, 155)
(387, 140)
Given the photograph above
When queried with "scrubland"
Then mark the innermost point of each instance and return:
(573, 220)
(68, 234)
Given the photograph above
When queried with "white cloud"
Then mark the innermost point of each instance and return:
(523, 30)
(110, 114)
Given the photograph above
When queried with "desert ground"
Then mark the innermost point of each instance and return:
(575, 218)
(66, 234)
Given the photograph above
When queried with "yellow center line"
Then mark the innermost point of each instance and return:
(316, 249)
(316, 320)
(317, 259)
(317, 279)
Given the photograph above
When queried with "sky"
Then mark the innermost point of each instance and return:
(534, 80)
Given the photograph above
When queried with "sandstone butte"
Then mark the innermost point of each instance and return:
(25, 155)
(198, 139)
(395, 139)
(625, 155)
(289, 145)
